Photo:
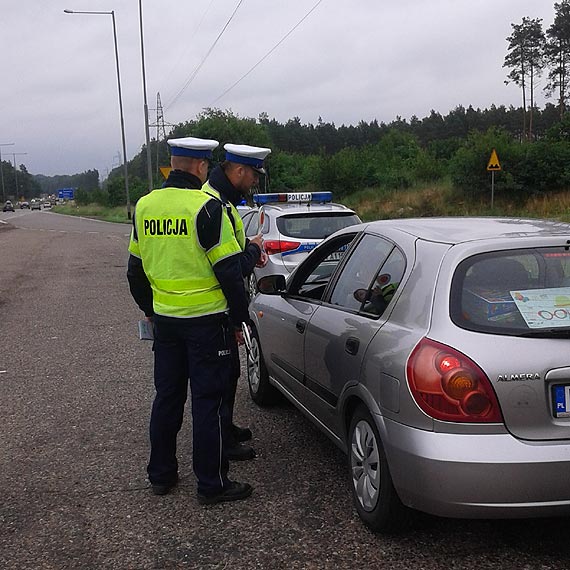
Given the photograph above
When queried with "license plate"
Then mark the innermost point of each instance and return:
(561, 401)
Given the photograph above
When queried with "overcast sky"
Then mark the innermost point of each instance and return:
(347, 61)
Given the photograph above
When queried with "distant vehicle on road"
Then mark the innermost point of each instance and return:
(8, 206)
(47, 204)
(24, 205)
(35, 205)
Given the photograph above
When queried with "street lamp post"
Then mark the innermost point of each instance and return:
(1, 172)
(146, 126)
(112, 14)
(15, 154)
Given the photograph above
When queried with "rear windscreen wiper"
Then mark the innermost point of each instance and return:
(546, 333)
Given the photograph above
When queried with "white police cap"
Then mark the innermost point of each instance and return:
(244, 154)
(193, 147)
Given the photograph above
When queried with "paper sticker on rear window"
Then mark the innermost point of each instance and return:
(544, 308)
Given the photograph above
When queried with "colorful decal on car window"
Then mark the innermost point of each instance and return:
(544, 308)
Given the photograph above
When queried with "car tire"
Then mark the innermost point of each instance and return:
(373, 492)
(260, 389)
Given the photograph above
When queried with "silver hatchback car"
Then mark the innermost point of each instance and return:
(436, 354)
(292, 225)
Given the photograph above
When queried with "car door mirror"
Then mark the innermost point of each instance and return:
(272, 284)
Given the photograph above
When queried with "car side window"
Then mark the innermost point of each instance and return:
(384, 286)
(313, 276)
(356, 278)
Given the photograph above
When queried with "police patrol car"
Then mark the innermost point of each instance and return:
(292, 225)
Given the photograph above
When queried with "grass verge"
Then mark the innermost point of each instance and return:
(95, 211)
(442, 200)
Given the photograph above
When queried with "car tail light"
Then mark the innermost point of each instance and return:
(449, 386)
(279, 246)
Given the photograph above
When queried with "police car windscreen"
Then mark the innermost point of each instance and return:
(314, 226)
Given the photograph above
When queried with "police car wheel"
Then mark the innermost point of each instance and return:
(373, 492)
(260, 390)
(252, 286)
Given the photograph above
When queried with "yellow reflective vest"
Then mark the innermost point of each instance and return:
(179, 270)
(233, 213)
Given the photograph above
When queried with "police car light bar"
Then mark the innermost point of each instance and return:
(291, 197)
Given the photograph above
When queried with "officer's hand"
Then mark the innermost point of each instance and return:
(263, 259)
(258, 241)
(239, 337)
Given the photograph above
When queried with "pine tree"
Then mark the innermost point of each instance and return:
(525, 59)
(557, 54)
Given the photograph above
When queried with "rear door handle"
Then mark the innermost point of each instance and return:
(300, 325)
(352, 345)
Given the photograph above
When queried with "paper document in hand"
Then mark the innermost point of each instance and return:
(145, 330)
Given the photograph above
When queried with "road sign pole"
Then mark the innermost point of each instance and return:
(492, 166)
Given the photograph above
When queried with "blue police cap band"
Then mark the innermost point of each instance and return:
(179, 151)
(250, 161)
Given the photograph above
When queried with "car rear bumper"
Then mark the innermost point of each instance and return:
(477, 476)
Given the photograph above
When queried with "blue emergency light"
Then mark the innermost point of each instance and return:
(292, 197)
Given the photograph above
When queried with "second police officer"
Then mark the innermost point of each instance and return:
(232, 181)
(184, 273)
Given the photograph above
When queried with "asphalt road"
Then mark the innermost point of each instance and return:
(75, 395)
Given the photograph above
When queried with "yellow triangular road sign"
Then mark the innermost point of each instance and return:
(165, 170)
(494, 163)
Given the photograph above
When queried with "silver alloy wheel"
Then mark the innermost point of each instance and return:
(253, 365)
(365, 465)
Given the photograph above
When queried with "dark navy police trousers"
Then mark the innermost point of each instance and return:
(196, 350)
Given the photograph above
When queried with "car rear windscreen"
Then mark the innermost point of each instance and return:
(315, 226)
(524, 292)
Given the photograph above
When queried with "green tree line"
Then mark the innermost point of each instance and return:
(395, 154)
(88, 180)
(400, 154)
(16, 182)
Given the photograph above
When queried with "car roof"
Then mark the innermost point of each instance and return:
(456, 230)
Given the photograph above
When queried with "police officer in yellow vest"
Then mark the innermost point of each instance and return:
(184, 273)
(232, 181)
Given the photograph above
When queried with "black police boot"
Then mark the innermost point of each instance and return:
(163, 488)
(239, 452)
(241, 434)
(233, 492)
